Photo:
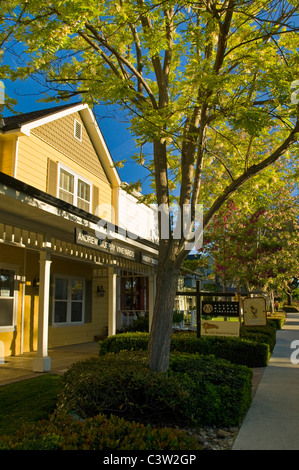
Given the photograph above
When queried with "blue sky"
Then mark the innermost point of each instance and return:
(114, 129)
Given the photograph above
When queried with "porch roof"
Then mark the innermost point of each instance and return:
(32, 210)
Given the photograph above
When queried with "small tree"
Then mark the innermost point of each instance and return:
(205, 83)
(257, 249)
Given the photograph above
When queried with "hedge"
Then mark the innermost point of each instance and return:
(290, 309)
(97, 433)
(237, 350)
(196, 390)
(265, 334)
(231, 385)
(277, 320)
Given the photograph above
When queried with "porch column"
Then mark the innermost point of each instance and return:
(112, 294)
(151, 298)
(42, 363)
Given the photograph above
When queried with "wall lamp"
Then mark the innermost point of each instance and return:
(100, 291)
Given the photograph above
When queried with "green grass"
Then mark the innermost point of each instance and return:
(27, 402)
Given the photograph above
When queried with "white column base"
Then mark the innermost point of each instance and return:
(42, 364)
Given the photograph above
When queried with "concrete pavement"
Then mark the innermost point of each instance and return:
(272, 420)
(18, 368)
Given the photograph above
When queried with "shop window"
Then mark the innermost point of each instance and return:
(74, 190)
(68, 301)
(7, 277)
(134, 293)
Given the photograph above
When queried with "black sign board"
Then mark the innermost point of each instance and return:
(82, 237)
(149, 260)
(221, 309)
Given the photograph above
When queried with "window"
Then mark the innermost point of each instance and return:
(74, 190)
(7, 281)
(68, 300)
(134, 293)
(78, 130)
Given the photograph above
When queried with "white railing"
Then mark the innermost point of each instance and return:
(129, 316)
(186, 322)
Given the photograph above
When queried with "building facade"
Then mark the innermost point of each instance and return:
(72, 266)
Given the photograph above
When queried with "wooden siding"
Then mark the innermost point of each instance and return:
(7, 156)
(97, 319)
(63, 335)
(60, 134)
(36, 165)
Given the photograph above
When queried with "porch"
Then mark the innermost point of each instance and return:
(17, 368)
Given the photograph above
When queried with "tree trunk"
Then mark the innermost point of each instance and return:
(271, 297)
(160, 335)
(290, 298)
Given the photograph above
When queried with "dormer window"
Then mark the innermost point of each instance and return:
(78, 130)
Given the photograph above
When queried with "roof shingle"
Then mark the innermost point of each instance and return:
(15, 122)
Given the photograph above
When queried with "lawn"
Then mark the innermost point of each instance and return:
(27, 402)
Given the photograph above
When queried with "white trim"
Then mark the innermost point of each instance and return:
(69, 301)
(74, 219)
(26, 128)
(15, 160)
(100, 145)
(93, 130)
(76, 177)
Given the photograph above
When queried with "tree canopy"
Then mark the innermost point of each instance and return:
(206, 86)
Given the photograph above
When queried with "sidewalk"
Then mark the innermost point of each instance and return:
(272, 420)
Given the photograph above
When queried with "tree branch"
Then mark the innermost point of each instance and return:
(252, 171)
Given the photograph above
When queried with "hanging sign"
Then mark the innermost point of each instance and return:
(221, 309)
(220, 328)
(255, 311)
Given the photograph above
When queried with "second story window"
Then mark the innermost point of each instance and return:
(74, 189)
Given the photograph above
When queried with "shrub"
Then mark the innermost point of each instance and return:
(237, 350)
(123, 385)
(178, 316)
(197, 390)
(230, 387)
(137, 341)
(97, 433)
(265, 334)
(290, 308)
(140, 324)
(277, 320)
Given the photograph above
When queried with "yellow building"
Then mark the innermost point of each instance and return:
(69, 272)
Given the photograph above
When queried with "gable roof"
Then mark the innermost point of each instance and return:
(23, 123)
(15, 122)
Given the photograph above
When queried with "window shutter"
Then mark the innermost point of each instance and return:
(95, 198)
(52, 178)
(88, 301)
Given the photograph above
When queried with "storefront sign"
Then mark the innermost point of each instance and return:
(220, 328)
(82, 237)
(255, 311)
(221, 309)
(149, 260)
